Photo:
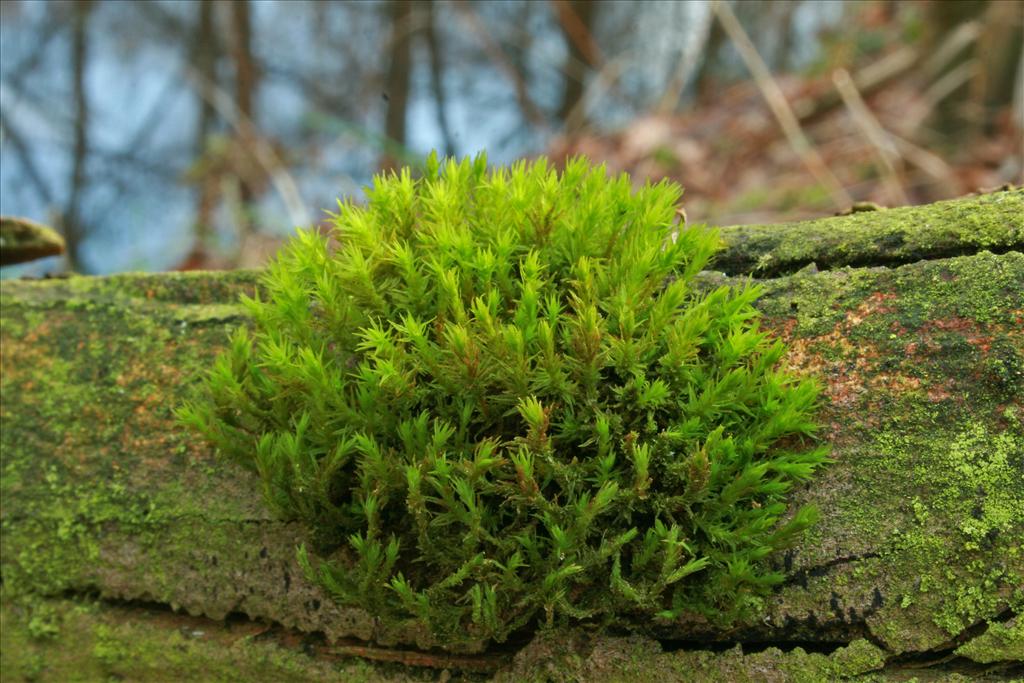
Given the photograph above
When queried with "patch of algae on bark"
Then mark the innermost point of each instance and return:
(61, 641)
(100, 486)
(81, 407)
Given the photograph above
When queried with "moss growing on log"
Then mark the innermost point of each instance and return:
(532, 417)
(890, 237)
(918, 549)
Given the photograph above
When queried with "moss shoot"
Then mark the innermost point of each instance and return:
(502, 401)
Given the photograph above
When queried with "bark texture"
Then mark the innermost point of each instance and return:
(919, 556)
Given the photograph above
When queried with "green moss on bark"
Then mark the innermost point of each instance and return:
(87, 642)
(1001, 642)
(576, 656)
(892, 236)
(101, 492)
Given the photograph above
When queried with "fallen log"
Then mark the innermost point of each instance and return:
(111, 511)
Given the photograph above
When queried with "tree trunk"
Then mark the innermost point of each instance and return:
(74, 223)
(246, 87)
(204, 61)
(576, 20)
(437, 77)
(396, 89)
(918, 557)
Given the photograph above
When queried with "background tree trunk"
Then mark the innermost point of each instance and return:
(396, 87)
(576, 20)
(205, 53)
(74, 227)
(246, 89)
(436, 52)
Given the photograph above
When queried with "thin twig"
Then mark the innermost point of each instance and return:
(604, 81)
(886, 154)
(953, 45)
(776, 100)
(930, 163)
(872, 77)
(948, 84)
(264, 152)
(11, 136)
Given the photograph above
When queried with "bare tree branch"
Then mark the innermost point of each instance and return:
(15, 139)
(263, 151)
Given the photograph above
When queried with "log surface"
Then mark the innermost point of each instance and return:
(920, 548)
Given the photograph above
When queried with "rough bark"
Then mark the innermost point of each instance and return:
(919, 556)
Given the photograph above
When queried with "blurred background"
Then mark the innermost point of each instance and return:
(165, 134)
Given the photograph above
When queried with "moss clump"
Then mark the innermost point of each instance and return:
(502, 400)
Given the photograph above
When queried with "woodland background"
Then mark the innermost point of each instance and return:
(196, 134)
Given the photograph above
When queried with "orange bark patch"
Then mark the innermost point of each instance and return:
(873, 305)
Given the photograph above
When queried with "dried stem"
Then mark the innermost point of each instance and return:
(930, 163)
(871, 78)
(263, 151)
(886, 154)
(776, 100)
